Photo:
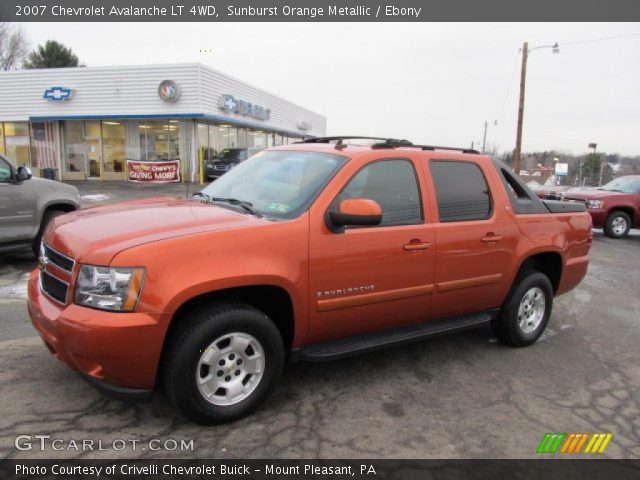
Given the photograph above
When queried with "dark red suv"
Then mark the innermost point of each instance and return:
(615, 207)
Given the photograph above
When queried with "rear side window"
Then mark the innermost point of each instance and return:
(461, 190)
(391, 183)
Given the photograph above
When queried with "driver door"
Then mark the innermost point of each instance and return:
(17, 206)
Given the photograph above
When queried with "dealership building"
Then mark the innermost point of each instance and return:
(148, 122)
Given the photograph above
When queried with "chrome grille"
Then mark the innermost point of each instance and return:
(58, 259)
(56, 289)
(55, 273)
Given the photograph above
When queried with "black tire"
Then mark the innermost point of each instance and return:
(617, 217)
(195, 334)
(46, 219)
(506, 326)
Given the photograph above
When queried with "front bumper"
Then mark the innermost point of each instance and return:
(118, 353)
(598, 216)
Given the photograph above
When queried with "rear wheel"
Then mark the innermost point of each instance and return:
(46, 219)
(526, 312)
(617, 225)
(222, 362)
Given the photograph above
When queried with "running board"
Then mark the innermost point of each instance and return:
(344, 347)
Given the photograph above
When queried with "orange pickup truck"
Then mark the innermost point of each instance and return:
(311, 251)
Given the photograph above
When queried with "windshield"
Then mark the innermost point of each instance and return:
(623, 184)
(277, 183)
(232, 154)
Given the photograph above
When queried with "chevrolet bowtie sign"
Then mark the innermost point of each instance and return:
(58, 94)
(230, 104)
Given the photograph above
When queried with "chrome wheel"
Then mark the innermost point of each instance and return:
(619, 225)
(230, 368)
(531, 310)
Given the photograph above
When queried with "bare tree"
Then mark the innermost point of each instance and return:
(13, 45)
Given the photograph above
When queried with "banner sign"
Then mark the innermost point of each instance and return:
(154, 172)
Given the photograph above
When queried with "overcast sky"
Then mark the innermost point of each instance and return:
(431, 83)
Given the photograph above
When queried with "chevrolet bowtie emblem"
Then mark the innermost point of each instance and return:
(57, 94)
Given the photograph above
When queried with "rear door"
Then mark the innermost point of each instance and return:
(371, 278)
(475, 239)
(17, 206)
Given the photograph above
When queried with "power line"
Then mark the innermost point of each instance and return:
(581, 42)
(506, 96)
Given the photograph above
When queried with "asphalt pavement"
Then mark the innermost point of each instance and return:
(461, 396)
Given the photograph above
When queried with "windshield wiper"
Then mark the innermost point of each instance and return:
(247, 206)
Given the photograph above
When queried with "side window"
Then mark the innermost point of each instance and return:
(391, 183)
(461, 190)
(5, 171)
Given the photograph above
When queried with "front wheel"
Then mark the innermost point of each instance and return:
(526, 312)
(617, 225)
(222, 362)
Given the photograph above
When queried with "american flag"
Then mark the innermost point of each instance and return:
(44, 145)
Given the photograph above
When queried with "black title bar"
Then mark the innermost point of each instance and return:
(317, 11)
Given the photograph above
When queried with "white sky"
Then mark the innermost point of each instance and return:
(433, 83)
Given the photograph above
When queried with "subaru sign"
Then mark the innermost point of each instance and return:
(58, 94)
(230, 104)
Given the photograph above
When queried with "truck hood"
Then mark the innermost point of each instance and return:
(95, 235)
(592, 194)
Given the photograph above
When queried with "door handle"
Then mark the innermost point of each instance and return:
(416, 245)
(491, 238)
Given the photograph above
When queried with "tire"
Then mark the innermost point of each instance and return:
(195, 354)
(617, 225)
(520, 328)
(46, 219)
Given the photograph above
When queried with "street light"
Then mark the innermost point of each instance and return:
(523, 75)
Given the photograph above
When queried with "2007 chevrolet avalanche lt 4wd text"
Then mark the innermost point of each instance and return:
(312, 251)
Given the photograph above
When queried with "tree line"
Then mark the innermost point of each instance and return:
(15, 52)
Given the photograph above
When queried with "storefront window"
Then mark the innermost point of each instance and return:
(159, 141)
(16, 141)
(93, 137)
(241, 138)
(232, 138)
(74, 146)
(257, 140)
(113, 146)
(277, 140)
(174, 140)
(43, 145)
(1, 138)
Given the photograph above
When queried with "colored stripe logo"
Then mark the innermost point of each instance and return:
(574, 442)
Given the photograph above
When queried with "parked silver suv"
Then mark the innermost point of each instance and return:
(28, 204)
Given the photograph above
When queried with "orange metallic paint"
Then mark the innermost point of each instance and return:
(418, 272)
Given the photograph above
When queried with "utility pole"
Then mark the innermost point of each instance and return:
(484, 137)
(523, 76)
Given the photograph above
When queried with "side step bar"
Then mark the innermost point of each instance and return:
(344, 347)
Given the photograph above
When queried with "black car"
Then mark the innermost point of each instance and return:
(226, 160)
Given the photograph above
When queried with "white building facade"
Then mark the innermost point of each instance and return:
(105, 122)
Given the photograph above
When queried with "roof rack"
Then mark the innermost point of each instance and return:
(457, 149)
(383, 143)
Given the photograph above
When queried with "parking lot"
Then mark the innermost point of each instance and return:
(460, 396)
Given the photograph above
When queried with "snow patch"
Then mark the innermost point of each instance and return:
(16, 290)
(96, 197)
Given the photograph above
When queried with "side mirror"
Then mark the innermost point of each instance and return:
(23, 173)
(355, 212)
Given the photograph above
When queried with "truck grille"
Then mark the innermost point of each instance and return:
(58, 259)
(55, 273)
(56, 289)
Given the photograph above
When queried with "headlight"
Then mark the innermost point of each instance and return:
(594, 203)
(107, 288)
